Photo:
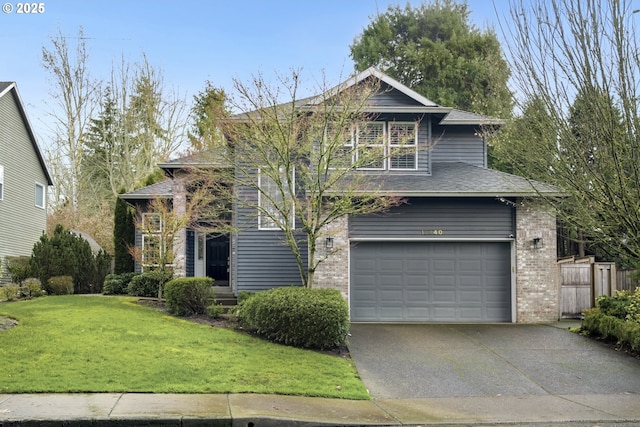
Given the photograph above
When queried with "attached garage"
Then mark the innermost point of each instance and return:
(433, 260)
(431, 281)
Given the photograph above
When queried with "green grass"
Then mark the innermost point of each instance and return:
(111, 344)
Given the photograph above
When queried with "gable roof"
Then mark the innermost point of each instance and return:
(458, 179)
(459, 117)
(10, 87)
(162, 189)
(373, 72)
(195, 160)
(417, 104)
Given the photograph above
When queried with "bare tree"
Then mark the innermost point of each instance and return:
(140, 123)
(297, 165)
(578, 61)
(75, 94)
(160, 224)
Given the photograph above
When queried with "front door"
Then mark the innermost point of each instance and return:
(217, 250)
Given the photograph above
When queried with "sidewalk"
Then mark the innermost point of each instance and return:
(254, 410)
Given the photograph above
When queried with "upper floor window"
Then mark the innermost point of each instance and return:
(40, 196)
(1, 182)
(271, 201)
(370, 145)
(403, 144)
(384, 146)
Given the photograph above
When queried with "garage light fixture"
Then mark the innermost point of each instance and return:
(328, 243)
(538, 243)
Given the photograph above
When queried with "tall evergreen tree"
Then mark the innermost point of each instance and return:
(123, 237)
(436, 51)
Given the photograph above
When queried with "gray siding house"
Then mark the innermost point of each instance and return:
(24, 179)
(470, 245)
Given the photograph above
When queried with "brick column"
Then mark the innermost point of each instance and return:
(537, 282)
(333, 272)
(180, 238)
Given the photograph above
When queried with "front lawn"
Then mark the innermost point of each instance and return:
(111, 344)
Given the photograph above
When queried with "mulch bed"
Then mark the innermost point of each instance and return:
(225, 322)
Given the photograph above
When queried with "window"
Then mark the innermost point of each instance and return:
(151, 239)
(379, 146)
(39, 195)
(403, 146)
(341, 156)
(370, 145)
(1, 182)
(271, 202)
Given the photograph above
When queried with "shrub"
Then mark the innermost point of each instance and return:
(633, 309)
(11, 292)
(616, 305)
(244, 295)
(66, 253)
(116, 284)
(33, 286)
(301, 317)
(147, 284)
(19, 268)
(624, 332)
(59, 285)
(186, 296)
(215, 311)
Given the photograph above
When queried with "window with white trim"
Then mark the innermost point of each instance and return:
(1, 182)
(40, 196)
(151, 239)
(370, 145)
(403, 146)
(271, 202)
(343, 155)
(379, 146)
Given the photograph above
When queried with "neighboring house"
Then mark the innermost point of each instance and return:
(470, 245)
(24, 179)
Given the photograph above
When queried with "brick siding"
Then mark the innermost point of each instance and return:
(333, 272)
(537, 282)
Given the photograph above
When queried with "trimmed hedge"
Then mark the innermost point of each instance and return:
(611, 328)
(300, 317)
(116, 284)
(186, 296)
(148, 284)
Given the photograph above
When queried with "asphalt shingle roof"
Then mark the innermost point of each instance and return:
(457, 179)
(4, 85)
(159, 189)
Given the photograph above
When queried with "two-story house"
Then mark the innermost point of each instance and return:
(470, 244)
(24, 179)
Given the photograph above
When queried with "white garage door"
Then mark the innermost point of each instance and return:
(430, 282)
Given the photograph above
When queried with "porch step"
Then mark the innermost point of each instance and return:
(224, 296)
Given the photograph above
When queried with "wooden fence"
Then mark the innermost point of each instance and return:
(584, 280)
(625, 280)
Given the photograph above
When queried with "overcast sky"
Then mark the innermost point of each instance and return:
(193, 41)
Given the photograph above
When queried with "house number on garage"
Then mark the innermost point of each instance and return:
(433, 232)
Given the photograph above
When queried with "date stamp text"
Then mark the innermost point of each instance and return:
(23, 8)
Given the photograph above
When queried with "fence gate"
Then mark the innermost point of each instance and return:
(582, 281)
(575, 289)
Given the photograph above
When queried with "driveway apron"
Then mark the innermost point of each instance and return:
(410, 361)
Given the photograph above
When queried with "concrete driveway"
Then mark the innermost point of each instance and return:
(415, 361)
